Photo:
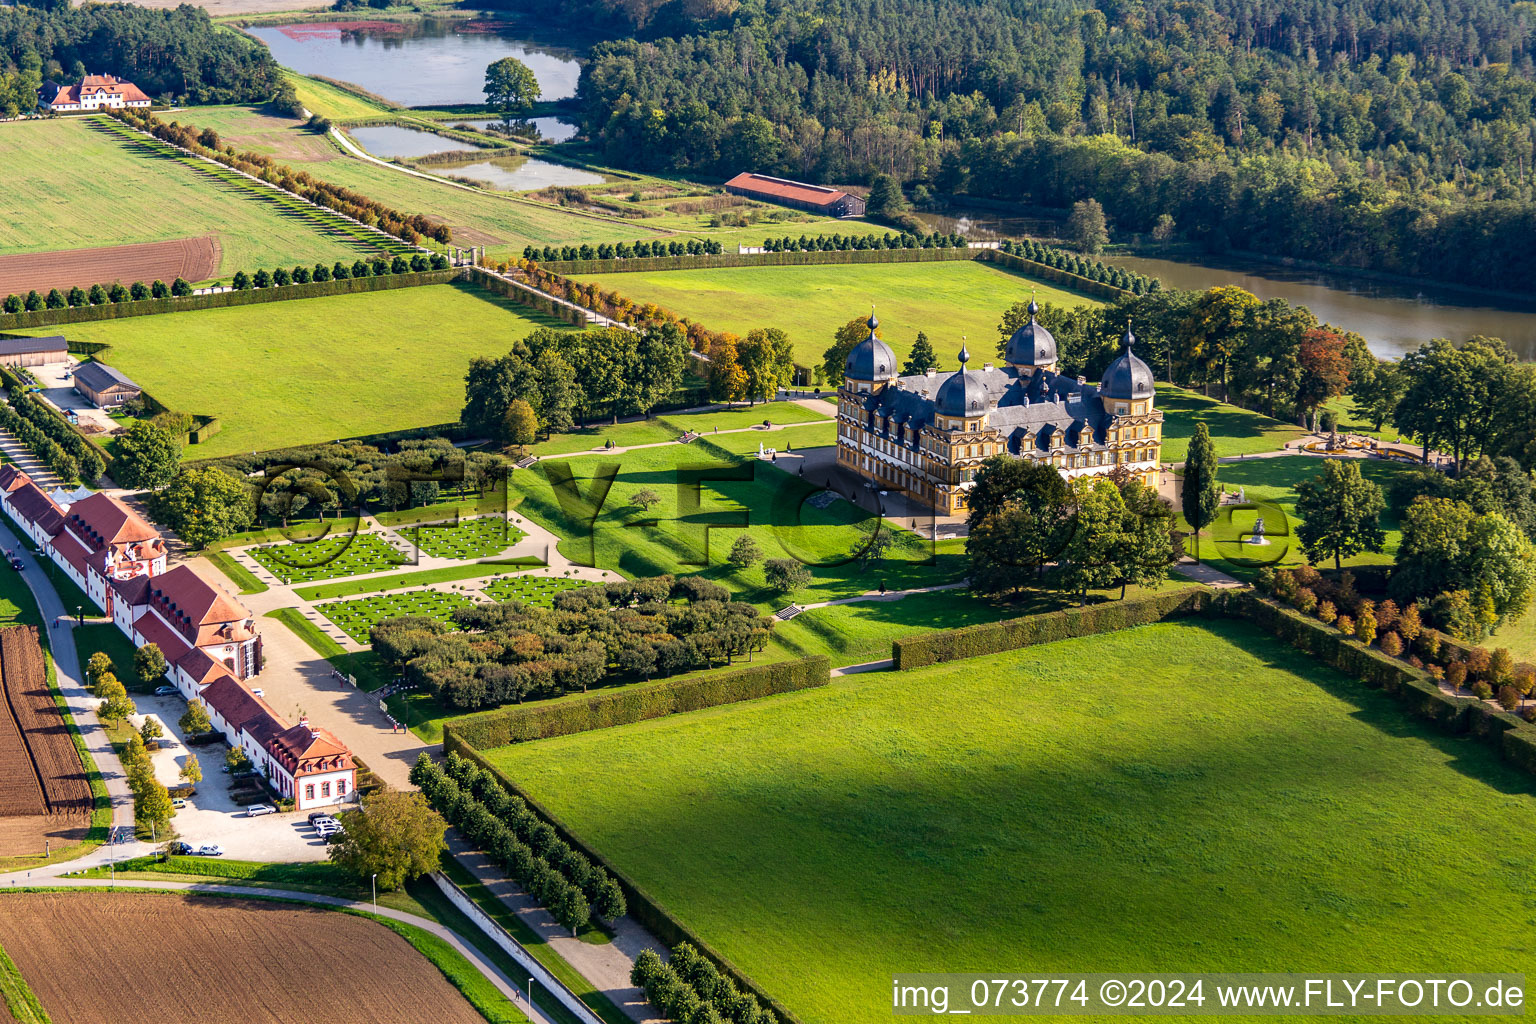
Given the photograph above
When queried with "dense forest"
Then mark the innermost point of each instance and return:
(168, 53)
(1373, 133)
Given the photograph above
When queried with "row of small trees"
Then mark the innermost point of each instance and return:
(1404, 632)
(1092, 269)
(623, 250)
(691, 990)
(96, 295)
(50, 451)
(78, 453)
(563, 880)
(409, 228)
(339, 271)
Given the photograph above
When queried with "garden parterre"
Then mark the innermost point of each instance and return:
(481, 537)
(328, 558)
(357, 618)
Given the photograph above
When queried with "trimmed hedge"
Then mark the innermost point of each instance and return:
(728, 260)
(526, 296)
(1048, 627)
(1513, 738)
(650, 914)
(1076, 282)
(523, 722)
(217, 300)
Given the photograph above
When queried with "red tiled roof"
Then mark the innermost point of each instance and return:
(110, 519)
(201, 666)
(154, 631)
(73, 552)
(99, 83)
(202, 609)
(242, 709)
(306, 750)
(782, 188)
(134, 591)
(12, 478)
(31, 503)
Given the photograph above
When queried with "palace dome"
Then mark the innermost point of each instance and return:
(1032, 344)
(1127, 377)
(871, 359)
(963, 393)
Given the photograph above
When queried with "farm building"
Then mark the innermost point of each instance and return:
(820, 199)
(208, 638)
(105, 386)
(32, 351)
(95, 92)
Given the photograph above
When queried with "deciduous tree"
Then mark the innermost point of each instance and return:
(394, 836)
(147, 457)
(1340, 512)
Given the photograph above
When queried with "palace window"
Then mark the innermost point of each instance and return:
(325, 789)
(309, 791)
(341, 788)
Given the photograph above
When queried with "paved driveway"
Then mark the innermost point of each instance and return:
(211, 815)
(59, 390)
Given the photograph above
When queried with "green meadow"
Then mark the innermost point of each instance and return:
(1190, 796)
(309, 370)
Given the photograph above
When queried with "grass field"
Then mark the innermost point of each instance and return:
(708, 498)
(670, 426)
(311, 370)
(336, 104)
(343, 555)
(400, 581)
(357, 618)
(258, 130)
(69, 185)
(480, 537)
(1120, 801)
(943, 300)
(1234, 431)
(1274, 481)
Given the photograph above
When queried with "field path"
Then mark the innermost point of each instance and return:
(82, 706)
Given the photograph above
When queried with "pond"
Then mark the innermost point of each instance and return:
(417, 64)
(389, 140)
(551, 129)
(519, 174)
(1392, 318)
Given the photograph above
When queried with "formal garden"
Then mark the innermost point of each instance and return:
(480, 537)
(357, 618)
(539, 590)
(329, 557)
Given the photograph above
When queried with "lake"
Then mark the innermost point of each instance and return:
(518, 174)
(1392, 318)
(420, 63)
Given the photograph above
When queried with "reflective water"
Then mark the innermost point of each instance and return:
(389, 140)
(517, 174)
(419, 63)
(551, 129)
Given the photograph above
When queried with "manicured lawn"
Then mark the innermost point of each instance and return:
(357, 618)
(107, 638)
(343, 555)
(943, 300)
(1234, 431)
(321, 98)
(313, 370)
(239, 574)
(1519, 635)
(708, 498)
(1274, 481)
(1182, 797)
(481, 537)
(670, 426)
(71, 185)
(257, 130)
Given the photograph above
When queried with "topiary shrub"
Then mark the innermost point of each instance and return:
(1508, 698)
(1482, 690)
(1456, 674)
(1391, 644)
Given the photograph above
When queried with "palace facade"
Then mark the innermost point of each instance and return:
(926, 436)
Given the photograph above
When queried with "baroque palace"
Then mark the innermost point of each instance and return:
(926, 436)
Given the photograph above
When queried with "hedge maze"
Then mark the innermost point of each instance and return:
(328, 558)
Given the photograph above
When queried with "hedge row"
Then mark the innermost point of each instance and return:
(48, 451)
(646, 911)
(1047, 627)
(218, 300)
(523, 722)
(767, 259)
(1076, 282)
(689, 988)
(1087, 267)
(91, 458)
(564, 881)
(1515, 739)
(526, 296)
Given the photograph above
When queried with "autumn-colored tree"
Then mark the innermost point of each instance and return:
(1324, 370)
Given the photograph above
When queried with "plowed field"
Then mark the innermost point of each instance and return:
(44, 793)
(219, 962)
(196, 259)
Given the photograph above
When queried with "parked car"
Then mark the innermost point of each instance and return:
(257, 810)
(16, 564)
(325, 825)
(210, 850)
(166, 691)
(178, 849)
(258, 691)
(246, 773)
(178, 803)
(315, 816)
